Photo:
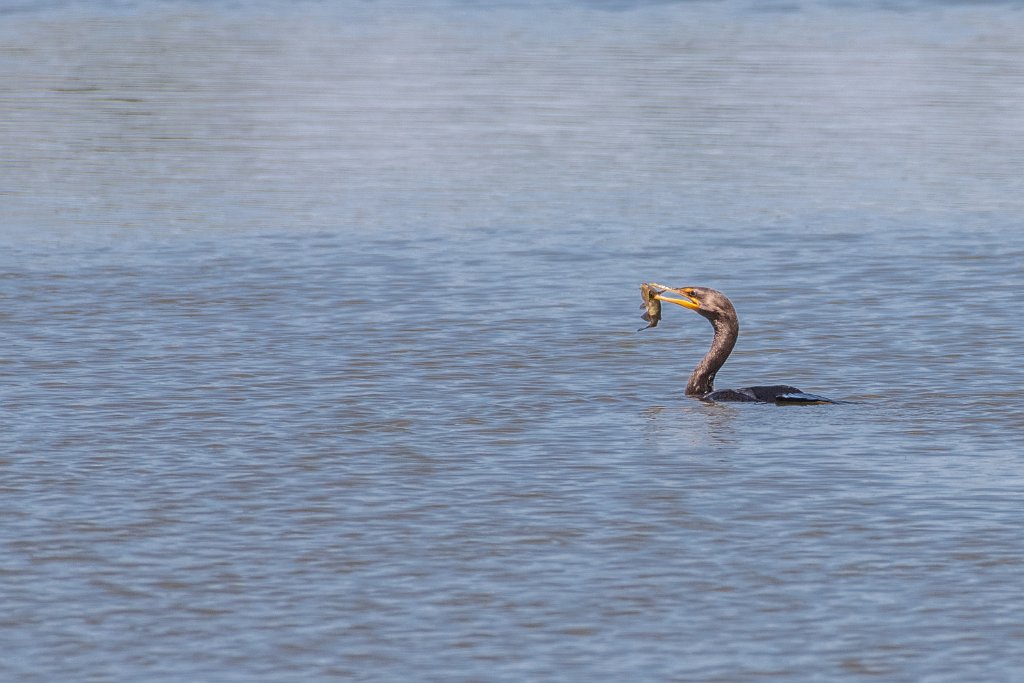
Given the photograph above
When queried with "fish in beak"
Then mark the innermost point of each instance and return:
(652, 305)
(653, 294)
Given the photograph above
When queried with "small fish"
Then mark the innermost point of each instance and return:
(653, 306)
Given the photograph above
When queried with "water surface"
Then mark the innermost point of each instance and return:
(320, 358)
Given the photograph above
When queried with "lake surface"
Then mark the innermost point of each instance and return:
(320, 357)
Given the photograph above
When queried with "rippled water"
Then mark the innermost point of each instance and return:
(320, 363)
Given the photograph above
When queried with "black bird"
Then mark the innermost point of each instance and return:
(720, 312)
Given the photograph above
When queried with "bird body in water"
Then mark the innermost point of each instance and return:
(720, 312)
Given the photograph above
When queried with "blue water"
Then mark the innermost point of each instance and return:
(320, 357)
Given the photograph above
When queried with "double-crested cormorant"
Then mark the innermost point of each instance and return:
(720, 312)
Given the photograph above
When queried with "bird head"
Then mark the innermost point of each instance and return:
(710, 303)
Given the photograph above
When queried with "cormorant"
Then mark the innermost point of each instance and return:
(720, 312)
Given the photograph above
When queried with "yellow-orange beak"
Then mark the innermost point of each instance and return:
(688, 302)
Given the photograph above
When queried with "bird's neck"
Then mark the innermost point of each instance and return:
(702, 381)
